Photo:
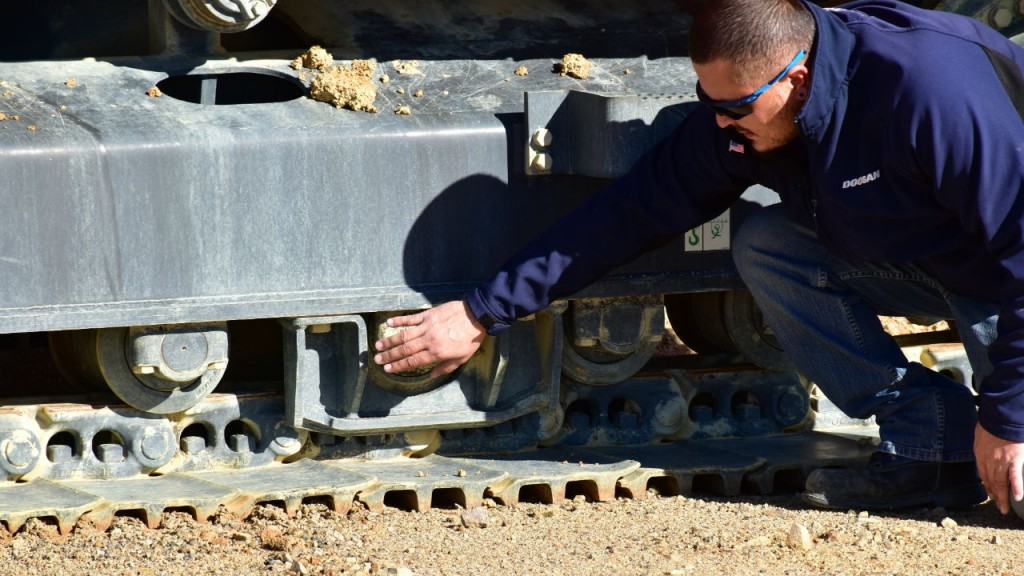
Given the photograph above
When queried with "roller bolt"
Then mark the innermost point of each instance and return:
(541, 162)
(155, 445)
(668, 415)
(21, 450)
(550, 423)
(284, 446)
(541, 138)
(790, 406)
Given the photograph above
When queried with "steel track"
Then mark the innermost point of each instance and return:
(721, 466)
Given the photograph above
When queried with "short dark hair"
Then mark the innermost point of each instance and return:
(757, 36)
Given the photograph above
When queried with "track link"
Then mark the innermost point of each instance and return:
(721, 466)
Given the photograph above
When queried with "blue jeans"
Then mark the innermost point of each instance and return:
(824, 311)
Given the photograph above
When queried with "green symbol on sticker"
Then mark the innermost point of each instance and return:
(694, 238)
(716, 230)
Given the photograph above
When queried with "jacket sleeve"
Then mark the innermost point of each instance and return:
(973, 144)
(682, 182)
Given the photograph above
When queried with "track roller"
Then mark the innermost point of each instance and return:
(158, 369)
(725, 322)
(607, 340)
(220, 15)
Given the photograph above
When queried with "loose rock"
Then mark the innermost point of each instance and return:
(799, 538)
(475, 518)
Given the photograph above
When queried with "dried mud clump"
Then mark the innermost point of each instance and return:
(316, 58)
(522, 71)
(574, 65)
(154, 92)
(407, 66)
(349, 87)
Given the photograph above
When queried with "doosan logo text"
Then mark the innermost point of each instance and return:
(863, 179)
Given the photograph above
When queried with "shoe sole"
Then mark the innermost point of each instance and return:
(961, 497)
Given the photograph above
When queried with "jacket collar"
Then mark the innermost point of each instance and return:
(830, 72)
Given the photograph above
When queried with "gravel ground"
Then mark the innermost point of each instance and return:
(699, 534)
(654, 535)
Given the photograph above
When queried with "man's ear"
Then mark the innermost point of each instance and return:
(799, 79)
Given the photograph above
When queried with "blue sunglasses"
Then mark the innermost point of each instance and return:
(741, 107)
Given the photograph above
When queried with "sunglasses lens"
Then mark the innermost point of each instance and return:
(734, 112)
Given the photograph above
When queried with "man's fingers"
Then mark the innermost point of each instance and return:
(410, 320)
(999, 489)
(1016, 481)
(399, 346)
(408, 335)
(409, 362)
(446, 335)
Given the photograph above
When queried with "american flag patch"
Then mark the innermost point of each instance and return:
(735, 146)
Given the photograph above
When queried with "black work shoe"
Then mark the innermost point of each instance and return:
(889, 482)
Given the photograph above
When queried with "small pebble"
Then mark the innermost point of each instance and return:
(799, 538)
(475, 518)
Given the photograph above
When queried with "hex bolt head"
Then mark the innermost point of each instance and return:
(747, 412)
(625, 420)
(541, 138)
(240, 443)
(259, 9)
(58, 453)
(541, 162)
(579, 421)
(701, 413)
(192, 444)
(110, 453)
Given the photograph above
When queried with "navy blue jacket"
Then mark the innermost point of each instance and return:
(906, 108)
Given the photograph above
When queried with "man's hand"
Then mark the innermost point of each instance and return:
(999, 464)
(447, 335)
